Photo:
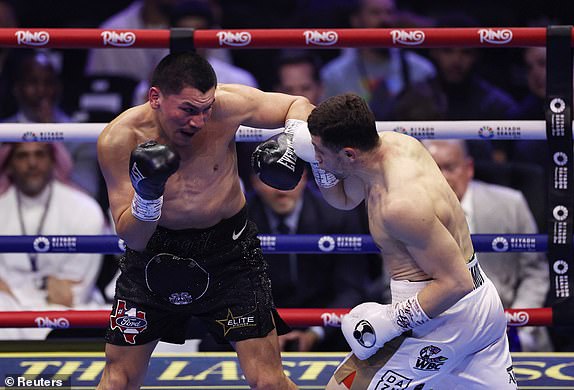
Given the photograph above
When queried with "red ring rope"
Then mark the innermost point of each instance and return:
(82, 38)
(294, 317)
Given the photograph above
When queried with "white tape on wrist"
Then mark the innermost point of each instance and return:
(146, 210)
(301, 139)
(323, 178)
(409, 313)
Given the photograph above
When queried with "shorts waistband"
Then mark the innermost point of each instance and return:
(475, 271)
(186, 242)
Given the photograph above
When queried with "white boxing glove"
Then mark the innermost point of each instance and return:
(370, 325)
(301, 139)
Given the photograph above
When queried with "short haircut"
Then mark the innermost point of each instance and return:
(179, 70)
(344, 121)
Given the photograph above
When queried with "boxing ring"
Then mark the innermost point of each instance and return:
(81, 370)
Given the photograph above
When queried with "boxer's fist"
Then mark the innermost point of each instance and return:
(151, 164)
(276, 164)
(368, 326)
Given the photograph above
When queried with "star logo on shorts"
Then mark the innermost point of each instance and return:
(232, 322)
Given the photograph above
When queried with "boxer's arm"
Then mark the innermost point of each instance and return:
(410, 217)
(344, 194)
(114, 148)
(255, 108)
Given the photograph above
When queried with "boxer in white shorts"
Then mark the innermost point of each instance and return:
(446, 322)
(462, 348)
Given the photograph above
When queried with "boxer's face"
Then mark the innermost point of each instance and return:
(329, 159)
(183, 114)
(31, 166)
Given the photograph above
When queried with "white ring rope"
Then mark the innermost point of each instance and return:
(482, 130)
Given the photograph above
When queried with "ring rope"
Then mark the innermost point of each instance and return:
(293, 316)
(479, 130)
(83, 38)
(270, 243)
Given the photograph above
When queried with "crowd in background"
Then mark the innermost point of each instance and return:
(75, 85)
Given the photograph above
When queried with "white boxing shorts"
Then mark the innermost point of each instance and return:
(465, 347)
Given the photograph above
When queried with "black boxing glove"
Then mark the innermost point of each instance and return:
(276, 163)
(151, 164)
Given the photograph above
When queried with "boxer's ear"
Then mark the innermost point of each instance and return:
(153, 96)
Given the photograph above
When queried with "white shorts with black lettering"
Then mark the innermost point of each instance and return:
(463, 348)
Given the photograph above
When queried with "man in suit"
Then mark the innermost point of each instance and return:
(522, 279)
(309, 280)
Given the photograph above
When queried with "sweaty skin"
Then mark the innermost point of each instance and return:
(206, 187)
(414, 216)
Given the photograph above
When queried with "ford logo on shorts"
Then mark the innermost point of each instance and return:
(131, 322)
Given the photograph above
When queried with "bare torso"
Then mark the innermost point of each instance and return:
(205, 189)
(409, 171)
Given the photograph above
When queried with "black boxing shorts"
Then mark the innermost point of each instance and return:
(216, 274)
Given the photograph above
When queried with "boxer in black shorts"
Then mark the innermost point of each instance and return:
(171, 173)
(186, 272)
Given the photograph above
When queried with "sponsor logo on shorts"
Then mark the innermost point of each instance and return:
(393, 381)
(518, 318)
(130, 322)
(426, 361)
(235, 236)
(236, 322)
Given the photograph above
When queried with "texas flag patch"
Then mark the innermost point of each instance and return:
(130, 322)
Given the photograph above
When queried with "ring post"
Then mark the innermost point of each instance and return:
(181, 39)
(558, 112)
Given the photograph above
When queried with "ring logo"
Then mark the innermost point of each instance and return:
(331, 319)
(518, 318)
(410, 38)
(326, 244)
(228, 38)
(500, 244)
(53, 323)
(326, 38)
(426, 361)
(28, 38)
(123, 39)
(232, 322)
(496, 37)
(41, 244)
(486, 132)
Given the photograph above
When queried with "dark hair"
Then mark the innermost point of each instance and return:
(344, 121)
(183, 69)
(296, 57)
